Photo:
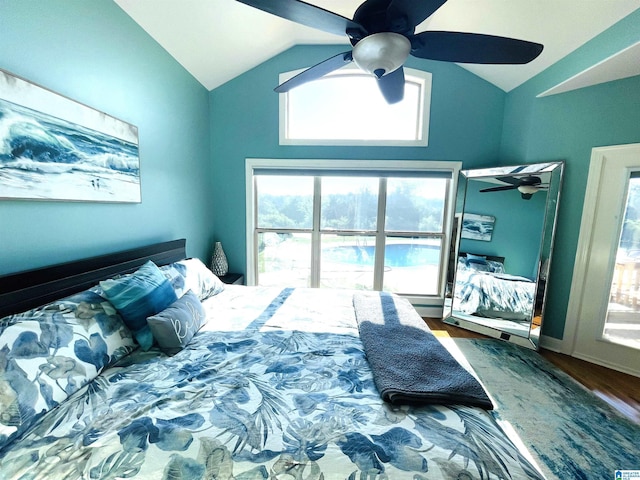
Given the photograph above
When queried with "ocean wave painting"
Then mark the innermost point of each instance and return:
(48, 157)
(477, 227)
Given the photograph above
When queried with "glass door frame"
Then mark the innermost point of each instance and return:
(606, 192)
(625, 277)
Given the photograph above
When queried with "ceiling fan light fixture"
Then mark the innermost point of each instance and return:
(527, 189)
(381, 53)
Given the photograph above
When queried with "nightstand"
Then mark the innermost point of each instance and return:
(233, 279)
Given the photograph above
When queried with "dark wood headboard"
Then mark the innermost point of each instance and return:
(32, 288)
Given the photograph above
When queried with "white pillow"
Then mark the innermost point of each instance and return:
(192, 274)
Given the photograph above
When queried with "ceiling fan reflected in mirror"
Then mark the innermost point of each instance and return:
(382, 33)
(527, 186)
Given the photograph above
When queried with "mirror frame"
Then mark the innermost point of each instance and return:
(555, 170)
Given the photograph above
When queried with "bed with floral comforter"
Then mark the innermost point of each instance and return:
(274, 385)
(485, 289)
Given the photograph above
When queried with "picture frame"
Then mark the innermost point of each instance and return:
(477, 227)
(54, 148)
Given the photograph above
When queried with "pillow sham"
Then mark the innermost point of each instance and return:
(174, 327)
(195, 276)
(49, 352)
(138, 296)
(176, 279)
(495, 266)
(479, 267)
(490, 266)
(479, 259)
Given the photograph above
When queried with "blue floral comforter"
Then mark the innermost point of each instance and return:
(494, 294)
(276, 385)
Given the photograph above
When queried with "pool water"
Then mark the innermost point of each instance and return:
(396, 255)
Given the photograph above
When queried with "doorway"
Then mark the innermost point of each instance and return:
(604, 303)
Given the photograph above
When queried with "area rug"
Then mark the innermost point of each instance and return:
(569, 432)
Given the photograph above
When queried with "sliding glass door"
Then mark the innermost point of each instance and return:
(622, 320)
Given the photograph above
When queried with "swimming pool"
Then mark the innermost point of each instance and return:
(396, 255)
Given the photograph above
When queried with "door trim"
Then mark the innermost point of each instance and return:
(583, 252)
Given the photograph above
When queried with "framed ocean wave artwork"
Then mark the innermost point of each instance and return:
(477, 227)
(54, 148)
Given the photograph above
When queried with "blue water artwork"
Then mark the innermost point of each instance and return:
(46, 157)
(477, 227)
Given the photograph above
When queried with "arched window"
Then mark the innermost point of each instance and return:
(347, 108)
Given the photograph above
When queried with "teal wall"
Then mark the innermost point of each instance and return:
(94, 53)
(566, 127)
(517, 233)
(193, 143)
(465, 125)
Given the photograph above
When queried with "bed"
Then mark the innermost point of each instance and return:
(483, 288)
(257, 383)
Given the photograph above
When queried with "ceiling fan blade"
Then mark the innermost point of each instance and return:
(372, 15)
(473, 48)
(317, 71)
(528, 180)
(307, 14)
(404, 15)
(392, 86)
(499, 189)
(511, 180)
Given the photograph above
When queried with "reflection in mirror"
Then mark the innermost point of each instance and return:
(501, 250)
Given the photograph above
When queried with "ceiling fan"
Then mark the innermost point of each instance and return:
(382, 33)
(527, 186)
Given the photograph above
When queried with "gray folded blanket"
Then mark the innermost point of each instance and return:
(410, 365)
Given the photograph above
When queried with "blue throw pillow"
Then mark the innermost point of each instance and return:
(477, 259)
(174, 327)
(138, 296)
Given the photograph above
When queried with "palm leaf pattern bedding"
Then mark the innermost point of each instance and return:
(494, 294)
(253, 398)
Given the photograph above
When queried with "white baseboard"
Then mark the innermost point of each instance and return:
(553, 344)
(559, 346)
(620, 368)
(431, 312)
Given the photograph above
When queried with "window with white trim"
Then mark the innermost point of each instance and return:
(341, 225)
(347, 108)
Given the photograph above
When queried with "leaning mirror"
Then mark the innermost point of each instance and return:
(501, 250)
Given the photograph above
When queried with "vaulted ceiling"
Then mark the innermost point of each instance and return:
(217, 40)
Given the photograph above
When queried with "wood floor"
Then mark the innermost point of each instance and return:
(619, 390)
